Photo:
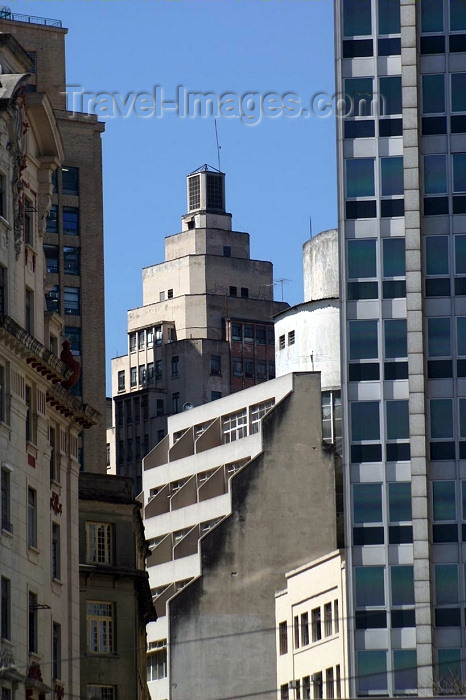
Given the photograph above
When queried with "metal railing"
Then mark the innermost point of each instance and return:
(5, 13)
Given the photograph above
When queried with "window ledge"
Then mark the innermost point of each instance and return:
(7, 533)
(4, 223)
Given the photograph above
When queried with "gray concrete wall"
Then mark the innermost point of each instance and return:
(222, 627)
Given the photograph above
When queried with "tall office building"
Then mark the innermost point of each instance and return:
(73, 239)
(205, 328)
(402, 221)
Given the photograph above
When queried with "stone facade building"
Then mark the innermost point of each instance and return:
(40, 420)
(205, 329)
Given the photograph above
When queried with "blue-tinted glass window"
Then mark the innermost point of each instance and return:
(449, 666)
(457, 15)
(462, 407)
(365, 420)
(362, 260)
(396, 338)
(459, 172)
(399, 502)
(402, 578)
(357, 18)
(70, 180)
(72, 301)
(439, 337)
(363, 340)
(446, 584)
(370, 586)
(437, 260)
(397, 420)
(404, 670)
(435, 174)
(460, 255)
(390, 94)
(444, 502)
(360, 177)
(394, 263)
(367, 503)
(389, 16)
(71, 261)
(461, 335)
(71, 221)
(392, 176)
(372, 670)
(359, 96)
(463, 488)
(431, 15)
(441, 418)
(433, 93)
(458, 92)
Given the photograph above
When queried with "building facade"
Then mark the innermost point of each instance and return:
(115, 598)
(205, 328)
(73, 238)
(40, 420)
(311, 635)
(215, 488)
(402, 157)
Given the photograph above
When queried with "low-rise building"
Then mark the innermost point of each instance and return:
(239, 492)
(311, 631)
(115, 597)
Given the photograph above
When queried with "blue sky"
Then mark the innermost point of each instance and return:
(279, 172)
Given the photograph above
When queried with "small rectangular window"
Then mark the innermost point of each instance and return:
(304, 629)
(70, 221)
(71, 257)
(52, 220)
(32, 517)
(6, 500)
(134, 376)
(170, 294)
(175, 365)
(121, 380)
(70, 180)
(99, 543)
(283, 637)
(281, 342)
(215, 365)
(56, 563)
(6, 609)
(291, 336)
(328, 619)
(32, 623)
(233, 291)
(236, 332)
(357, 18)
(72, 301)
(316, 625)
(227, 251)
(56, 651)
(244, 293)
(100, 627)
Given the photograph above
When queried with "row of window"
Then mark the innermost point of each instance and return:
(157, 660)
(237, 425)
(314, 684)
(291, 340)
(69, 220)
(253, 369)
(322, 624)
(149, 337)
(250, 333)
(134, 448)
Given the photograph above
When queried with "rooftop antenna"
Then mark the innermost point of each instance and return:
(218, 147)
(310, 226)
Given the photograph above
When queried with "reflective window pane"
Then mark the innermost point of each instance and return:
(362, 259)
(433, 93)
(389, 16)
(446, 584)
(459, 172)
(431, 16)
(367, 503)
(395, 338)
(370, 587)
(363, 340)
(394, 264)
(437, 261)
(359, 96)
(441, 418)
(460, 255)
(435, 174)
(392, 176)
(438, 337)
(390, 94)
(457, 15)
(399, 502)
(360, 177)
(458, 92)
(461, 335)
(365, 420)
(397, 420)
(462, 407)
(444, 502)
(404, 670)
(402, 578)
(372, 669)
(357, 18)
